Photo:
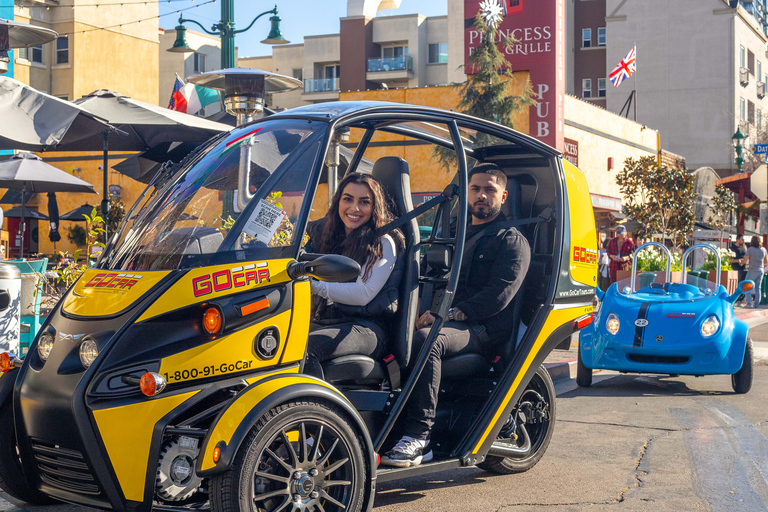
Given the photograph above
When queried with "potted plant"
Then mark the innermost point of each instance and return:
(728, 277)
(653, 260)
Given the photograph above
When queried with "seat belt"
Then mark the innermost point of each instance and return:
(446, 195)
(393, 371)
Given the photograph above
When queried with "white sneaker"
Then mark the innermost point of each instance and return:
(407, 452)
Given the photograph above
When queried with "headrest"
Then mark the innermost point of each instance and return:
(392, 174)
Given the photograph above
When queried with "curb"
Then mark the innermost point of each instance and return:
(562, 370)
(752, 314)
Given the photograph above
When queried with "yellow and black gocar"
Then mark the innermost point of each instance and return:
(169, 377)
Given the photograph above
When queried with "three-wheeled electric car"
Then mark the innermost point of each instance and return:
(170, 375)
(686, 328)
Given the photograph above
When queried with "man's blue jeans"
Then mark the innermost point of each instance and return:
(757, 277)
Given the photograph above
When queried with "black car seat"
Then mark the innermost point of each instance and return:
(392, 174)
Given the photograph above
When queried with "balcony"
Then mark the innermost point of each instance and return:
(321, 89)
(390, 69)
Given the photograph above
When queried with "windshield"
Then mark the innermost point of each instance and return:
(193, 219)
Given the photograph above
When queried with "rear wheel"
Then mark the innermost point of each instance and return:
(302, 455)
(742, 379)
(528, 430)
(12, 478)
(583, 374)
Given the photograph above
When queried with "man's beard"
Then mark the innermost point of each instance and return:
(489, 211)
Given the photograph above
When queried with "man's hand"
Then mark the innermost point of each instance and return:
(425, 320)
(459, 315)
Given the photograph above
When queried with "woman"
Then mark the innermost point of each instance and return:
(620, 250)
(757, 257)
(352, 317)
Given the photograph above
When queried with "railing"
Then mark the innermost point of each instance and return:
(390, 64)
(321, 85)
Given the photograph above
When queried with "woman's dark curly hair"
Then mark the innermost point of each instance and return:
(364, 243)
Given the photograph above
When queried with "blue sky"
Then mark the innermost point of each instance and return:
(300, 18)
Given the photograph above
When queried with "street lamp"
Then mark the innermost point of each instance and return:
(737, 138)
(225, 29)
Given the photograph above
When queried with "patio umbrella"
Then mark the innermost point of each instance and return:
(143, 166)
(35, 121)
(27, 171)
(142, 127)
(53, 219)
(76, 215)
(15, 213)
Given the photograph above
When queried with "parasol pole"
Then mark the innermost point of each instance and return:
(105, 197)
(23, 193)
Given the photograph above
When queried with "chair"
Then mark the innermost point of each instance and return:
(31, 296)
(392, 174)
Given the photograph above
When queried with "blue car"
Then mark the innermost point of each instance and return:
(668, 328)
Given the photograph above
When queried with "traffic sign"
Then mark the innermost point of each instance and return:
(758, 182)
(760, 149)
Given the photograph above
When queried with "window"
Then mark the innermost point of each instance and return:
(742, 57)
(601, 36)
(62, 50)
(586, 37)
(394, 52)
(759, 72)
(438, 53)
(750, 112)
(586, 88)
(332, 71)
(297, 73)
(34, 54)
(199, 62)
(743, 110)
(751, 62)
(601, 87)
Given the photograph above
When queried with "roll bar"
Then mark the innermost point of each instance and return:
(634, 262)
(709, 247)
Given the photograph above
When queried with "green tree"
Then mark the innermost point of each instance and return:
(723, 203)
(486, 93)
(115, 214)
(660, 199)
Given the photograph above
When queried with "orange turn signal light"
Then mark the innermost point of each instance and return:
(747, 286)
(5, 362)
(151, 383)
(216, 454)
(212, 320)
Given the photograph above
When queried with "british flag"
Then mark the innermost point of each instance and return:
(625, 69)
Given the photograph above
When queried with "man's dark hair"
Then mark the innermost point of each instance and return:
(493, 170)
(739, 237)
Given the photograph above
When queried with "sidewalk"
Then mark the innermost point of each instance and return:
(560, 363)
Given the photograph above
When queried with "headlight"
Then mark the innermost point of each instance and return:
(612, 323)
(89, 351)
(710, 326)
(45, 345)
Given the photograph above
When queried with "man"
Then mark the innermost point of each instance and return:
(494, 264)
(739, 261)
(620, 250)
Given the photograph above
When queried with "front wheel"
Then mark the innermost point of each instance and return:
(742, 379)
(583, 374)
(528, 430)
(12, 478)
(302, 455)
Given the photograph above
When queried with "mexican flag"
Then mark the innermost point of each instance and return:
(190, 98)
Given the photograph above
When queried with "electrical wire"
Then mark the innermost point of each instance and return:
(137, 21)
(145, 2)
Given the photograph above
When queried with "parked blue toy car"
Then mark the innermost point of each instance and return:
(668, 328)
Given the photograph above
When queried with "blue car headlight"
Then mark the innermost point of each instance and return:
(710, 326)
(612, 323)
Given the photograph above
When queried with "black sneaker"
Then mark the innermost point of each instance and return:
(407, 452)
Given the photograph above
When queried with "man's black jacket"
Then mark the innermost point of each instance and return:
(491, 276)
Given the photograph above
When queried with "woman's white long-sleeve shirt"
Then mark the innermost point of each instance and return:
(361, 292)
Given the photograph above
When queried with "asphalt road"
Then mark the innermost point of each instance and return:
(628, 443)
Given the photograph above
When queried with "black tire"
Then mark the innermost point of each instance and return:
(12, 478)
(742, 379)
(272, 473)
(540, 389)
(583, 374)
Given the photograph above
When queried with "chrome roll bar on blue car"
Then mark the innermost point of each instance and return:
(708, 247)
(641, 249)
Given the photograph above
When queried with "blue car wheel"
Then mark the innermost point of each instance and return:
(583, 374)
(742, 380)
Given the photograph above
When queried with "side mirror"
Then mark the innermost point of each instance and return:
(329, 267)
(743, 287)
(5, 300)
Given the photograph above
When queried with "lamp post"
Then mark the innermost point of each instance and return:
(225, 29)
(737, 138)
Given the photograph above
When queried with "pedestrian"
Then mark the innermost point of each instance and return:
(738, 262)
(757, 258)
(620, 250)
(604, 262)
(495, 260)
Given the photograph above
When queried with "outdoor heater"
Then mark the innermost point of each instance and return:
(20, 35)
(244, 91)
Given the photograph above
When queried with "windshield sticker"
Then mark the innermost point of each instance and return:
(264, 221)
